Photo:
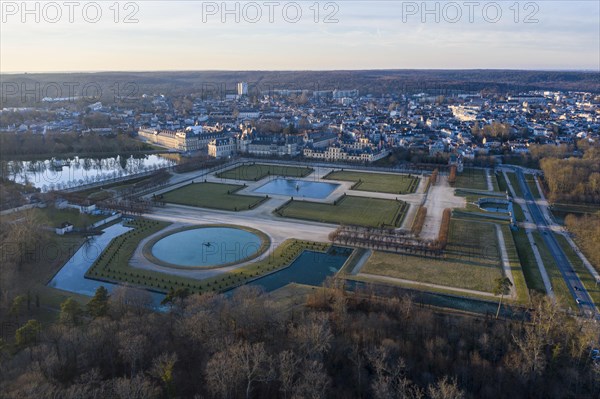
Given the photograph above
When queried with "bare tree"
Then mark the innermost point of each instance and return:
(138, 387)
(445, 389)
(313, 336)
(241, 364)
(132, 347)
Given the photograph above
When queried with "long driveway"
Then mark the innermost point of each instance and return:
(576, 288)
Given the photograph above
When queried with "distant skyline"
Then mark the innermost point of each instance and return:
(178, 36)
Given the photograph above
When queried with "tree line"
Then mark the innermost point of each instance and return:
(586, 229)
(338, 345)
(53, 144)
(573, 179)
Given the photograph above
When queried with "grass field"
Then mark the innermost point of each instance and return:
(516, 267)
(577, 208)
(530, 180)
(474, 211)
(502, 185)
(585, 276)
(362, 211)
(472, 260)
(560, 211)
(519, 215)
(54, 217)
(533, 277)
(377, 182)
(258, 171)
(556, 279)
(46, 258)
(515, 184)
(212, 195)
(113, 264)
(495, 183)
(472, 178)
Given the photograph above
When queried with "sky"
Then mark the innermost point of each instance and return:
(156, 35)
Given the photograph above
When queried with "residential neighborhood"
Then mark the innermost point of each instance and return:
(331, 125)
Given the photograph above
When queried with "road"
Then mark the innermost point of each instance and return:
(580, 294)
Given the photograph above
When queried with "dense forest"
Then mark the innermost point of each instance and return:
(586, 229)
(572, 179)
(55, 144)
(110, 87)
(334, 345)
(338, 345)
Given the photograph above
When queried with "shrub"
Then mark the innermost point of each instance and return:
(419, 221)
(444, 228)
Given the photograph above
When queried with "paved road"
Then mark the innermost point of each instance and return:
(573, 282)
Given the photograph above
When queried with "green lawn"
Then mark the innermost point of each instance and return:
(515, 265)
(495, 183)
(36, 271)
(472, 178)
(584, 274)
(560, 211)
(350, 210)
(212, 195)
(258, 171)
(530, 179)
(54, 217)
(533, 277)
(473, 210)
(515, 184)
(556, 279)
(377, 182)
(519, 215)
(577, 209)
(502, 185)
(472, 260)
(113, 264)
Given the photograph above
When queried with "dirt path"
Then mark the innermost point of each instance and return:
(505, 261)
(441, 196)
(411, 282)
(489, 180)
(361, 262)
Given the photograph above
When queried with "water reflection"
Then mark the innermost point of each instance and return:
(59, 174)
(72, 275)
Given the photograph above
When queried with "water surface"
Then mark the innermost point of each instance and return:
(297, 188)
(207, 246)
(309, 268)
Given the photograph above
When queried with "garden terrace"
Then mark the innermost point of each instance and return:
(471, 260)
(348, 210)
(257, 172)
(113, 264)
(212, 195)
(377, 182)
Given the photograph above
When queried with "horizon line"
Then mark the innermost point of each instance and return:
(584, 70)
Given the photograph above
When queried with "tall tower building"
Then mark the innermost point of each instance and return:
(242, 89)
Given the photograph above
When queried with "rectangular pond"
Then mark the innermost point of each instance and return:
(310, 268)
(72, 275)
(297, 188)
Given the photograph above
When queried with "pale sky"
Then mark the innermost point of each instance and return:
(190, 35)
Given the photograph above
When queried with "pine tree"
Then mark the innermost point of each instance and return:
(98, 305)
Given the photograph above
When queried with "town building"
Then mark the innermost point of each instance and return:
(174, 139)
(242, 89)
(65, 227)
(221, 147)
(339, 153)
